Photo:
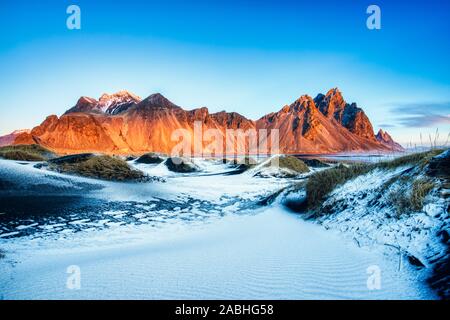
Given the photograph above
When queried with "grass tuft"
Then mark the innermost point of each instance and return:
(101, 167)
(323, 182)
(420, 189)
(21, 156)
(31, 152)
(399, 198)
(421, 159)
(407, 198)
(292, 163)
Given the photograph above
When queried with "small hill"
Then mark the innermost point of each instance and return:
(32, 152)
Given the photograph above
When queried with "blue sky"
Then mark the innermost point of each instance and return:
(252, 57)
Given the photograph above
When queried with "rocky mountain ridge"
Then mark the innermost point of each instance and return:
(122, 123)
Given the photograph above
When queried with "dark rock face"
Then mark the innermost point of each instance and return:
(180, 165)
(439, 166)
(333, 105)
(355, 120)
(149, 158)
(415, 262)
(445, 236)
(299, 205)
(440, 279)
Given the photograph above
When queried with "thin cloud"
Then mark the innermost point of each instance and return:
(387, 125)
(430, 120)
(421, 115)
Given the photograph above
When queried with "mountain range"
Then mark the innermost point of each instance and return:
(9, 138)
(123, 123)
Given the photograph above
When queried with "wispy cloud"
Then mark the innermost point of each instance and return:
(421, 115)
(386, 125)
(423, 121)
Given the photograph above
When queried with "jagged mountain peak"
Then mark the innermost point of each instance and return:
(21, 131)
(117, 102)
(334, 92)
(383, 136)
(85, 99)
(107, 103)
(157, 100)
(9, 138)
(84, 104)
(381, 133)
(353, 118)
(331, 104)
(386, 139)
(122, 95)
(303, 103)
(304, 99)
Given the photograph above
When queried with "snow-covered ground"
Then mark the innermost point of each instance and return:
(270, 255)
(361, 209)
(202, 236)
(364, 209)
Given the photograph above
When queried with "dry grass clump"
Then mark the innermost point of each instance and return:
(101, 167)
(32, 152)
(292, 163)
(410, 197)
(399, 198)
(323, 182)
(282, 167)
(421, 158)
(315, 163)
(21, 156)
(420, 189)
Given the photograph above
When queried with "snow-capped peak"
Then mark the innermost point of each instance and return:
(110, 103)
